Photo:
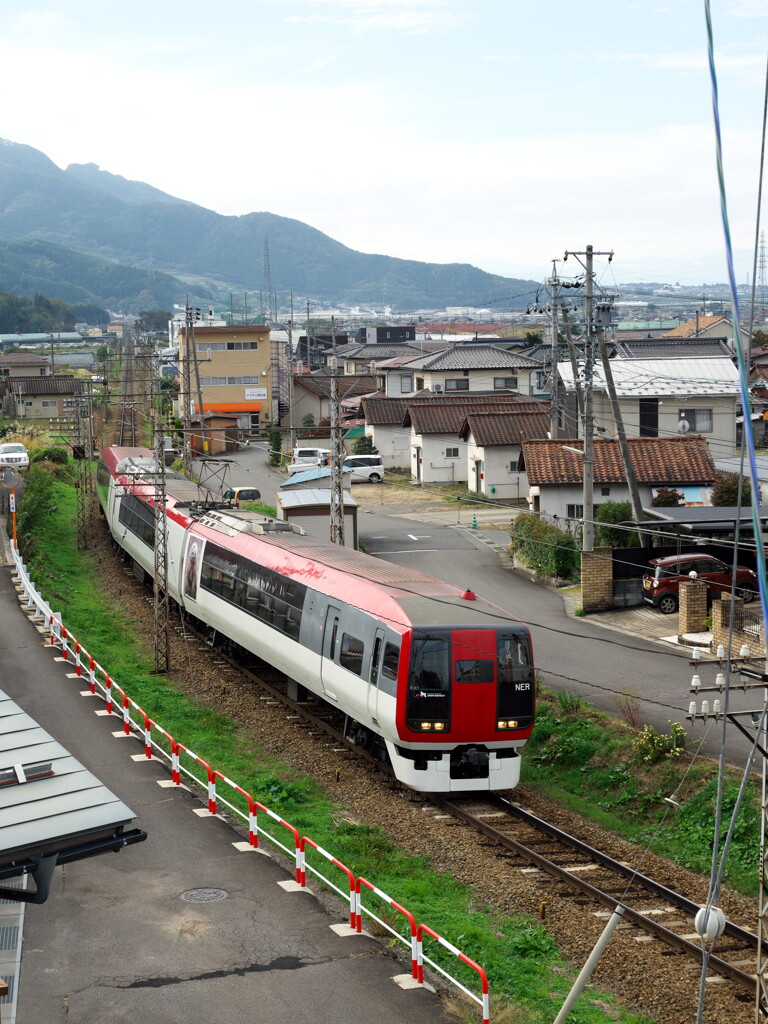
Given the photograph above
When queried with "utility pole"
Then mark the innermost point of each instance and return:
(186, 392)
(291, 427)
(554, 391)
(337, 462)
(588, 504)
(588, 501)
(81, 459)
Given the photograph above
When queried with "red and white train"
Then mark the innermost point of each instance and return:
(436, 677)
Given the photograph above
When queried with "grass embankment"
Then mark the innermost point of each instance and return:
(602, 768)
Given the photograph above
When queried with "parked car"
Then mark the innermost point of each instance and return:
(314, 456)
(236, 495)
(14, 454)
(661, 583)
(365, 467)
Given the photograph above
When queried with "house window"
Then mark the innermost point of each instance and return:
(505, 383)
(699, 420)
(574, 511)
(541, 380)
(605, 491)
(451, 453)
(419, 383)
(406, 383)
(457, 384)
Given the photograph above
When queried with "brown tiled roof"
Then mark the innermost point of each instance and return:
(447, 417)
(657, 461)
(381, 411)
(503, 428)
(61, 384)
(690, 328)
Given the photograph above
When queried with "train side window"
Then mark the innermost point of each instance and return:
(351, 653)
(391, 661)
(332, 649)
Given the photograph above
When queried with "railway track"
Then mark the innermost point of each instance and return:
(653, 910)
(126, 421)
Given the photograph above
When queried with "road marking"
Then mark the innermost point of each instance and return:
(405, 551)
(426, 537)
(383, 536)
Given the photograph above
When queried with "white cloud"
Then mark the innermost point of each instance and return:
(40, 20)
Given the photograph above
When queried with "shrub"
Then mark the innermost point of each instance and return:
(364, 446)
(543, 547)
(614, 512)
(275, 446)
(726, 490)
(668, 497)
(37, 505)
(58, 455)
(653, 746)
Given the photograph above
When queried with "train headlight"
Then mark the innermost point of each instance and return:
(432, 726)
(507, 723)
(439, 726)
(426, 726)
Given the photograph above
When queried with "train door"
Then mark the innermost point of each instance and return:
(331, 636)
(373, 679)
(474, 674)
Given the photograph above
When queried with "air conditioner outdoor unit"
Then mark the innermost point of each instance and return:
(438, 389)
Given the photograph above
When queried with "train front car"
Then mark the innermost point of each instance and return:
(466, 701)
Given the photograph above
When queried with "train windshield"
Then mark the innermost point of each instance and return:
(429, 681)
(516, 682)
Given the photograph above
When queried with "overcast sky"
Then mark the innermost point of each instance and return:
(494, 132)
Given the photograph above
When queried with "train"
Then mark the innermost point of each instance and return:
(431, 677)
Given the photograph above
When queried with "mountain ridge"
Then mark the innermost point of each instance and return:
(123, 222)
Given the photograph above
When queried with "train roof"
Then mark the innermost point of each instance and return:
(370, 583)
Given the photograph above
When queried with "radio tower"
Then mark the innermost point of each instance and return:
(761, 292)
(268, 280)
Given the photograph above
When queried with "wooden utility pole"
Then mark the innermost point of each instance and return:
(162, 610)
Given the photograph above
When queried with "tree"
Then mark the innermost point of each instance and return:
(275, 446)
(364, 446)
(532, 338)
(725, 493)
(614, 512)
(668, 497)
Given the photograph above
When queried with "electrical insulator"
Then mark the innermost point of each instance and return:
(720, 653)
(696, 654)
(692, 708)
(705, 707)
(744, 652)
(716, 707)
(695, 681)
(720, 680)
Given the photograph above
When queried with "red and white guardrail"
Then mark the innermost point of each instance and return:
(183, 762)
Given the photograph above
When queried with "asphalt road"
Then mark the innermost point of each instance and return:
(603, 666)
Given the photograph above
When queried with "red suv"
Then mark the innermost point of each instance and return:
(662, 581)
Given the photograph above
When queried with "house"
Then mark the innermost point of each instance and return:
(387, 335)
(493, 445)
(313, 350)
(468, 368)
(662, 398)
(310, 508)
(312, 396)
(236, 371)
(356, 359)
(437, 455)
(23, 364)
(384, 425)
(702, 326)
(44, 397)
(556, 473)
(221, 432)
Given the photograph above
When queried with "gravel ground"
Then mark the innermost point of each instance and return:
(662, 986)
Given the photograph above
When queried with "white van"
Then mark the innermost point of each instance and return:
(314, 456)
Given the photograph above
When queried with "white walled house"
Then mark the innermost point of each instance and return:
(555, 473)
(493, 445)
(463, 369)
(384, 426)
(664, 398)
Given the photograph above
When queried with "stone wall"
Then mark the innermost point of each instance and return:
(597, 580)
(721, 628)
(693, 606)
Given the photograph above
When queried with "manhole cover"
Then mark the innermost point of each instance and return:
(203, 895)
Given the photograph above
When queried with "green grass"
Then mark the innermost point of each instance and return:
(520, 956)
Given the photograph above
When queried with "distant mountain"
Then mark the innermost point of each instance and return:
(132, 224)
(29, 266)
